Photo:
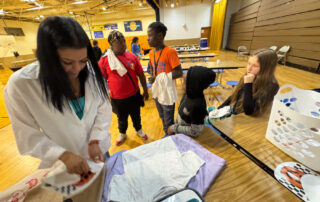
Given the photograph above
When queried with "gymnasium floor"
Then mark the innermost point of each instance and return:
(14, 167)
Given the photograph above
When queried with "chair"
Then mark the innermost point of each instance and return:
(282, 54)
(148, 85)
(214, 84)
(232, 83)
(242, 51)
(274, 48)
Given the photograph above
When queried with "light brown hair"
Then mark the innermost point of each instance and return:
(265, 85)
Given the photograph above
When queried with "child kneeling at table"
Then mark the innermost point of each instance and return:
(255, 90)
(193, 108)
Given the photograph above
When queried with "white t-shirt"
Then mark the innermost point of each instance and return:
(153, 171)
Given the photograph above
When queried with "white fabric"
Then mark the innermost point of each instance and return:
(217, 113)
(42, 131)
(59, 176)
(153, 171)
(164, 89)
(311, 186)
(115, 63)
(20, 190)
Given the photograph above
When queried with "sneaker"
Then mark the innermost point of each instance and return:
(142, 135)
(121, 139)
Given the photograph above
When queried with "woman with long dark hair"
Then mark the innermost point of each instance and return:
(58, 106)
(256, 89)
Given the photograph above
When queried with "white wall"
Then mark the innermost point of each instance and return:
(194, 16)
(232, 7)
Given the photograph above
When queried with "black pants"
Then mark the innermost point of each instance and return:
(125, 107)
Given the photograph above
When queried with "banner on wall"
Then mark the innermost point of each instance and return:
(133, 26)
(111, 26)
(97, 27)
(98, 34)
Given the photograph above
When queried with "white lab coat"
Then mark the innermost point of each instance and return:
(42, 131)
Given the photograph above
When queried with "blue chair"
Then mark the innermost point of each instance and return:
(148, 85)
(232, 83)
(219, 75)
(214, 84)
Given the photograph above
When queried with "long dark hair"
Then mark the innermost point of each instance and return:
(56, 32)
(265, 86)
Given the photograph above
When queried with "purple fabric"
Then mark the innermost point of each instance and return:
(200, 182)
(208, 172)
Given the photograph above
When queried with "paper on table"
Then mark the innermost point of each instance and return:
(217, 113)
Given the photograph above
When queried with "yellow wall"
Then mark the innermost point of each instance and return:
(22, 44)
(217, 23)
(25, 44)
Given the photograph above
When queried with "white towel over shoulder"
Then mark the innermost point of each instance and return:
(164, 89)
(115, 63)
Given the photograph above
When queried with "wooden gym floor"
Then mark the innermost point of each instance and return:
(14, 167)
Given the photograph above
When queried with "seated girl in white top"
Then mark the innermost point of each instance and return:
(58, 105)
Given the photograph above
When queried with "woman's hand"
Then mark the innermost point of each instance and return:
(95, 152)
(74, 163)
(249, 78)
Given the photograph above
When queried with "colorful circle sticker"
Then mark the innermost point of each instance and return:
(316, 114)
(315, 130)
(293, 99)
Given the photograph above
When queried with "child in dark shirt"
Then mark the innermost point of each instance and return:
(193, 108)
